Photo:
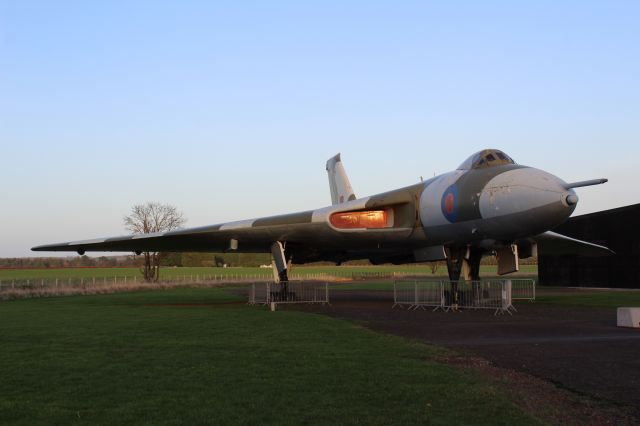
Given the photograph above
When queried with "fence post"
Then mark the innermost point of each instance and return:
(415, 293)
(504, 295)
(507, 302)
(533, 283)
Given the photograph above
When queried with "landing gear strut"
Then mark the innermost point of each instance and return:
(280, 268)
(463, 261)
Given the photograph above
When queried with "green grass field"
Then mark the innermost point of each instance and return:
(7, 274)
(196, 356)
(591, 298)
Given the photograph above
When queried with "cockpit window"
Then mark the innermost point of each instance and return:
(486, 158)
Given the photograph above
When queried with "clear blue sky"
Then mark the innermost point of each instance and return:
(229, 110)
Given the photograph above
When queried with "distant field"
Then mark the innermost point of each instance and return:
(196, 356)
(346, 271)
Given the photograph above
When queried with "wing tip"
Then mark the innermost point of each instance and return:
(579, 247)
(53, 247)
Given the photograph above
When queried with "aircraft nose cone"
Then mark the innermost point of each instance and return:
(532, 200)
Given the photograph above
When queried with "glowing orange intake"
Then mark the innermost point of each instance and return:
(372, 219)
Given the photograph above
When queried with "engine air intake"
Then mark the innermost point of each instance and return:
(368, 219)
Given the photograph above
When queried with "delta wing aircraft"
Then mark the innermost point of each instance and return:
(489, 205)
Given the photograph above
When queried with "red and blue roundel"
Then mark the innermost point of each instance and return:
(449, 203)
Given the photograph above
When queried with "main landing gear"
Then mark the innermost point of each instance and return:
(465, 262)
(280, 272)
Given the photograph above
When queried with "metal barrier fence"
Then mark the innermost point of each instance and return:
(453, 295)
(523, 289)
(296, 292)
(418, 294)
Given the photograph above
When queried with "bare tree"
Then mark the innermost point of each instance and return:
(148, 218)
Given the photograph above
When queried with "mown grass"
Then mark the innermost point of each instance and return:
(592, 298)
(380, 285)
(169, 272)
(197, 356)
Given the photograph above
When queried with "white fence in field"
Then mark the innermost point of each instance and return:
(497, 295)
(227, 277)
(106, 281)
(296, 292)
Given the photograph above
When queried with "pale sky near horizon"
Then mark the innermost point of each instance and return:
(229, 110)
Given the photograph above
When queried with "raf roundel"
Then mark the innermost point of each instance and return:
(449, 203)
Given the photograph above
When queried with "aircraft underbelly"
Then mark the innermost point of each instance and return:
(504, 227)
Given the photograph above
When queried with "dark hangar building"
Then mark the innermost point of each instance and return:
(618, 229)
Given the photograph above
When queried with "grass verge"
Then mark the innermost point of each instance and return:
(591, 298)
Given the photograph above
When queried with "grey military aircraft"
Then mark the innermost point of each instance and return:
(489, 205)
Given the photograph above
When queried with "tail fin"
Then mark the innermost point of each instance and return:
(341, 190)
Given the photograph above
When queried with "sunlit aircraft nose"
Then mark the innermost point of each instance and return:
(532, 199)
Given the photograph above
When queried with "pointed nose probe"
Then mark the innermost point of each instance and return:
(572, 199)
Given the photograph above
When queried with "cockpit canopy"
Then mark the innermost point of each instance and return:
(486, 158)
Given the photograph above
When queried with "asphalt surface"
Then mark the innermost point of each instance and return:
(579, 349)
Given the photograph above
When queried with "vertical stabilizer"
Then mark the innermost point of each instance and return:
(341, 190)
